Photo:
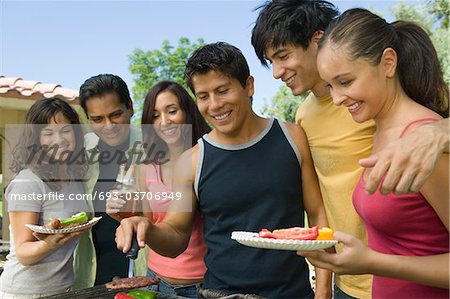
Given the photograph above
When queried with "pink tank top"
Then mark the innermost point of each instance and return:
(189, 264)
(402, 225)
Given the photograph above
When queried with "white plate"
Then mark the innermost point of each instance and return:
(50, 231)
(253, 240)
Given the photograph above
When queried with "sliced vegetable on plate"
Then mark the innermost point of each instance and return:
(74, 223)
(293, 233)
(325, 233)
(58, 223)
(294, 238)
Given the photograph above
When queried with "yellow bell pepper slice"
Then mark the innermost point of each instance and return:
(325, 233)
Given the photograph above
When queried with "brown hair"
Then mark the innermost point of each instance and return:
(28, 152)
(365, 35)
(187, 105)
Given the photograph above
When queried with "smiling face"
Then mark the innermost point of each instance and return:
(109, 118)
(168, 117)
(223, 101)
(356, 84)
(59, 137)
(296, 67)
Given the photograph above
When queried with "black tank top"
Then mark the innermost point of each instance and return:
(246, 188)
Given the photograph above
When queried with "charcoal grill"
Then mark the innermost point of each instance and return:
(99, 292)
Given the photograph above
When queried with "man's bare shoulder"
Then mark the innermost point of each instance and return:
(294, 130)
(298, 136)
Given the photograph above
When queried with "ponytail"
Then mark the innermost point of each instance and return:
(419, 70)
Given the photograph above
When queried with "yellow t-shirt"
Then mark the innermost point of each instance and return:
(337, 142)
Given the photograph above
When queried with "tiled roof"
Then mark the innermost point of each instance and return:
(16, 87)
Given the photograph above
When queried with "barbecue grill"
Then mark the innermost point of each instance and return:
(99, 292)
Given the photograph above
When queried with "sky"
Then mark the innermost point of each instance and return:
(66, 42)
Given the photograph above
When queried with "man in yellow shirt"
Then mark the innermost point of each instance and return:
(286, 34)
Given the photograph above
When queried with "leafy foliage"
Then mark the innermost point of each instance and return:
(434, 18)
(283, 105)
(441, 10)
(150, 67)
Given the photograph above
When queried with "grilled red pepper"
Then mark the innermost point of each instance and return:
(123, 296)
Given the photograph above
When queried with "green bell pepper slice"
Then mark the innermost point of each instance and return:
(77, 218)
(141, 294)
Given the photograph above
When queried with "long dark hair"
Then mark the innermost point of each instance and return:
(28, 152)
(187, 105)
(366, 35)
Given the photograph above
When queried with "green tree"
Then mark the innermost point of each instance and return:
(150, 67)
(434, 18)
(441, 10)
(283, 105)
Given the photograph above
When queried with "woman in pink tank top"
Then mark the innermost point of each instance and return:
(390, 73)
(171, 122)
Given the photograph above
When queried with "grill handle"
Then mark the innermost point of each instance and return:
(132, 253)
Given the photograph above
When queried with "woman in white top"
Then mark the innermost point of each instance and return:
(49, 162)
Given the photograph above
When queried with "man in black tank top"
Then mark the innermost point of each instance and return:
(248, 173)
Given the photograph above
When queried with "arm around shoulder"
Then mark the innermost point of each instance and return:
(409, 161)
(444, 128)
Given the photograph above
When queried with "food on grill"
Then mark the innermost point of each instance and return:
(293, 233)
(74, 220)
(131, 283)
(137, 294)
(123, 296)
(142, 294)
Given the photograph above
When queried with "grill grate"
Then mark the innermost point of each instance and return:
(98, 292)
